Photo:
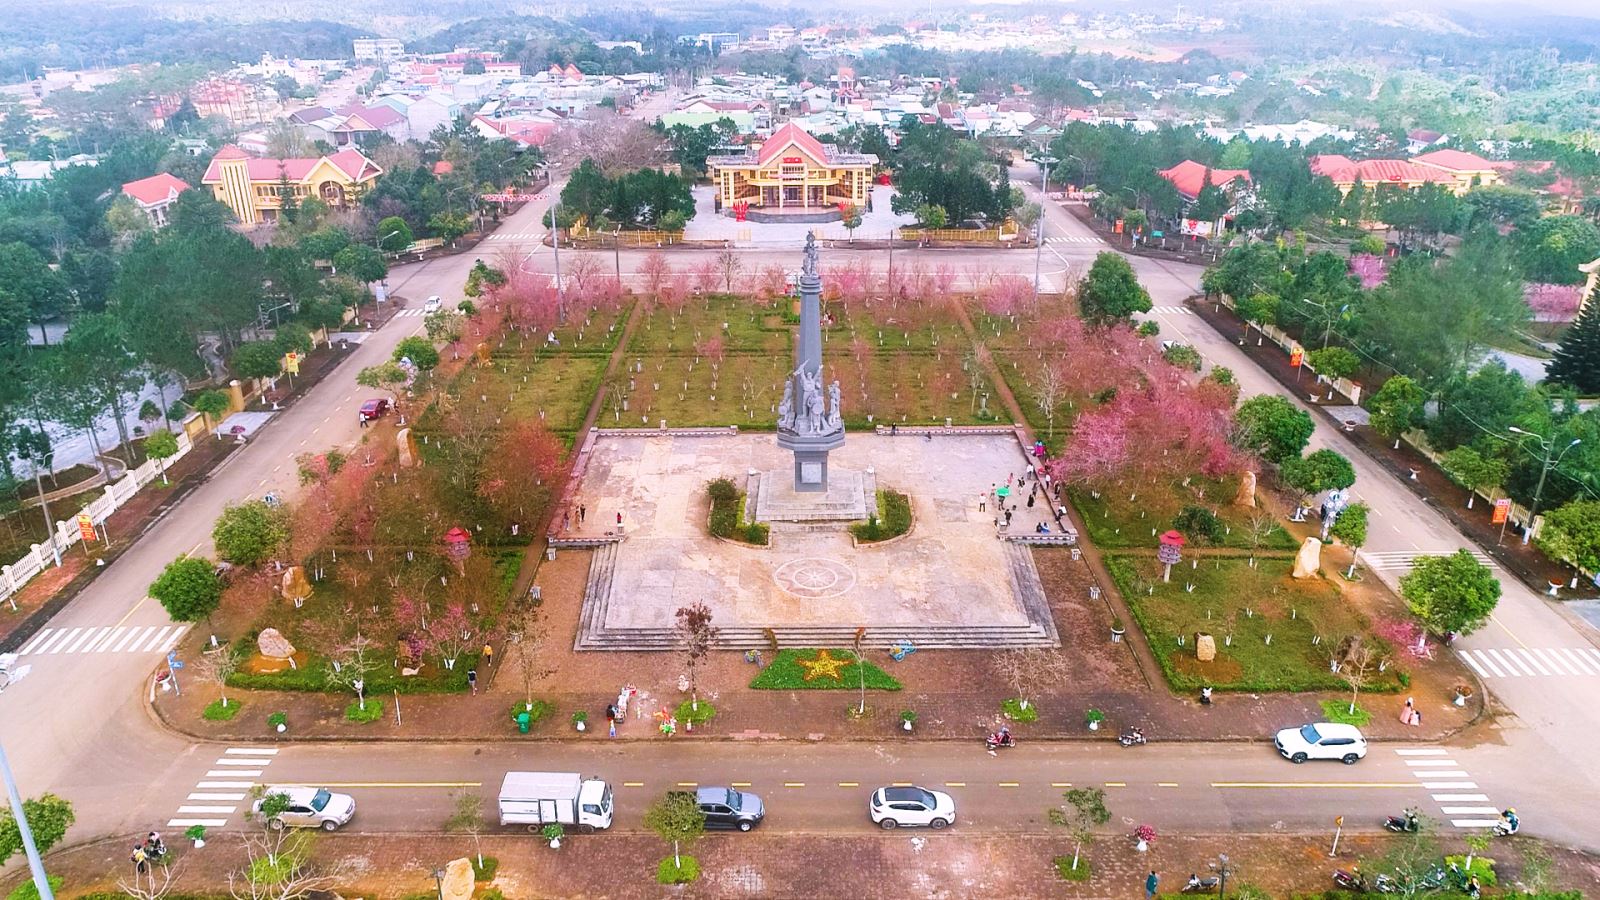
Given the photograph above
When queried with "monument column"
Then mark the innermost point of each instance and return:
(810, 422)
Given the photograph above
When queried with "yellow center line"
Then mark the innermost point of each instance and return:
(901, 784)
(1166, 784)
(955, 784)
(688, 784)
(400, 784)
(794, 784)
(739, 783)
(1315, 784)
(849, 784)
(1008, 784)
(1061, 784)
(633, 784)
(1508, 631)
(1116, 784)
(130, 612)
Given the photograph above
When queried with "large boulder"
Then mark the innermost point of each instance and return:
(294, 584)
(1309, 559)
(1205, 647)
(458, 880)
(1247, 491)
(407, 447)
(273, 645)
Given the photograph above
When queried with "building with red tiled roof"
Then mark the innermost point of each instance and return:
(792, 173)
(1466, 170)
(155, 194)
(253, 187)
(1189, 177)
(1345, 172)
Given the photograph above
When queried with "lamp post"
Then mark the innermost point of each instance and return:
(35, 865)
(1550, 462)
(555, 244)
(438, 882)
(1222, 875)
(1044, 204)
(1327, 330)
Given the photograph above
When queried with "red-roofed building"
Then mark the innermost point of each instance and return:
(1466, 170)
(252, 186)
(155, 194)
(1345, 173)
(1189, 177)
(792, 173)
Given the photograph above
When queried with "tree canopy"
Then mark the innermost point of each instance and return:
(1451, 594)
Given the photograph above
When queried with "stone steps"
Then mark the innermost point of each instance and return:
(597, 593)
(952, 637)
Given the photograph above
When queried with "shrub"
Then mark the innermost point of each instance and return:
(723, 490)
(1482, 866)
(216, 712)
(1183, 356)
(786, 673)
(1149, 328)
(485, 872)
(1199, 524)
(1016, 712)
(540, 710)
(1065, 870)
(1339, 711)
(727, 515)
(671, 871)
(27, 890)
(372, 713)
(490, 894)
(756, 533)
(892, 519)
(277, 719)
(688, 713)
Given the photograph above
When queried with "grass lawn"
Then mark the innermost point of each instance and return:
(1232, 600)
(1126, 518)
(789, 671)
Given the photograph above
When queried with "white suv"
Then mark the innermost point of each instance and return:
(892, 807)
(309, 807)
(432, 305)
(1322, 740)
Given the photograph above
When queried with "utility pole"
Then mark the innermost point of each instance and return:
(1550, 461)
(1044, 206)
(555, 244)
(35, 865)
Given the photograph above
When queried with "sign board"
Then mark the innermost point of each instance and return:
(86, 527)
(791, 160)
(1117, 228)
(291, 362)
(1297, 356)
(1197, 228)
(1502, 511)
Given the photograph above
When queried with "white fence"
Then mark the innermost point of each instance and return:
(116, 495)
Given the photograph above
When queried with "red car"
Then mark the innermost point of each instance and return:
(373, 409)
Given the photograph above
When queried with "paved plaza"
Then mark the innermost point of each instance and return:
(953, 569)
(707, 225)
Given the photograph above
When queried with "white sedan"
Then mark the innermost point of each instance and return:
(305, 807)
(1322, 740)
(892, 807)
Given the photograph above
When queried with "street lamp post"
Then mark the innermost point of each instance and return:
(438, 882)
(35, 865)
(1222, 875)
(555, 244)
(1044, 204)
(1550, 462)
(1327, 330)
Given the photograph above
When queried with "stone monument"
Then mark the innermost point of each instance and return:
(809, 424)
(1308, 560)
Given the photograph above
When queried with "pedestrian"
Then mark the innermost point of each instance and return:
(566, 521)
(488, 655)
(1150, 884)
(138, 858)
(894, 429)
(583, 513)
(472, 680)
(1416, 718)
(619, 517)
(1030, 501)
(1407, 711)
(1008, 518)
(983, 503)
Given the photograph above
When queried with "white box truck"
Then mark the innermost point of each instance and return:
(536, 799)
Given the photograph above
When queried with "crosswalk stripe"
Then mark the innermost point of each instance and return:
(172, 641)
(1461, 798)
(251, 751)
(100, 643)
(37, 640)
(154, 640)
(1593, 654)
(1419, 763)
(72, 646)
(1474, 823)
(203, 796)
(61, 636)
(1435, 773)
(1489, 663)
(185, 823)
(1423, 752)
(1449, 785)
(89, 645)
(1578, 660)
(234, 773)
(225, 784)
(228, 761)
(1566, 663)
(1503, 663)
(1528, 657)
(1467, 810)
(1466, 657)
(137, 629)
(207, 809)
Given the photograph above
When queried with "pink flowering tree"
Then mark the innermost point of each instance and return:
(1007, 295)
(706, 276)
(1369, 270)
(710, 347)
(1553, 302)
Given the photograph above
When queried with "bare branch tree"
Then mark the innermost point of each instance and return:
(278, 862)
(731, 266)
(350, 666)
(1050, 388)
(216, 667)
(155, 882)
(696, 634)
(1030, 670)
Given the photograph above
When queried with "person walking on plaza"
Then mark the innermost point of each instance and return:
(472, 680)
(1150, 884)
(983, 503)
(583, 513)
(488, 655)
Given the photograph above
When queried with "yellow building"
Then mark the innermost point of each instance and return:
(792, 176)
(1466, 170)
(253, 187)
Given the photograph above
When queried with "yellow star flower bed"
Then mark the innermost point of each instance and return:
(820, 670)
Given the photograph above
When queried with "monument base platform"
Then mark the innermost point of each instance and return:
(851, 495)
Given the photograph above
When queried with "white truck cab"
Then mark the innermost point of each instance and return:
(536, 799)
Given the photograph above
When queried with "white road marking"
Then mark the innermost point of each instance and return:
(241, 797)
(207, 809)
(173, 640)
(37, 640)
(1431, 752)
(72, 646)
(1466, 656)
(234, 773)
(251, 751)
(1504, 664)
(1461, 798)
(1434, 774)
(226, 784)
(230, 761)
(185, 823)
(154, 639)
(111, 635)
(61, 635)
(1467, 810)
(1449, 785)
(1421, 763)
(1579, 661)
(131, 632)
(1533, 661)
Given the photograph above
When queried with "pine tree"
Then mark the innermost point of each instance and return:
(1577, 360)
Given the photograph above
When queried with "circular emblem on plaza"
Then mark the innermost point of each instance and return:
(815, 577)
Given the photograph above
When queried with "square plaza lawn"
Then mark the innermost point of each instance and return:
(1124, 518)
(1232, 599)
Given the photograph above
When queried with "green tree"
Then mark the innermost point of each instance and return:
(48, 816)
(325, 242)
(384, 377)
(1551, 249)
(1398, 407)
(1351, 528)
(1577, 359)
(449, 226)
(419, 350)
(1111, 292)
(673, 221)
(362, 263)
(677, 819)
(931, 216)
(213, 403)
(1318, 471)
(188, 589)
(1502, 205)
(1483, 403)
(104, 367)
(851, 220)
(1572, 533)
(256, 359)
(1257, 309)
(28, 277)
(1273, 427)
(250, 533)
(1474, 471)
(394, 235)
(1451, 594)
(1334, 362)
(161, 446)
(1084, 811)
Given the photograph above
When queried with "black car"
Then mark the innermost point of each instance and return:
(727, 808)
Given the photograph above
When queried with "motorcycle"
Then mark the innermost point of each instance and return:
(998, 740)
(1131, 736)
(1351, 880)
(1506, 827)
(1197, 885)
(1403, 824)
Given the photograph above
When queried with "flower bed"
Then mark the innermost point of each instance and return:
(820, 670)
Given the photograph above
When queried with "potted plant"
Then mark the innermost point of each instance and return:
(1117, 631)
(907, 717)
(279, 722)
(553, 833)
(1143, 835)
(1463, 693)
(196, 833)
(579, 718)
(1094, 717)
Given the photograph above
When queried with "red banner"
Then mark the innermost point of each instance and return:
(86, 528)
(1502, 511)
(1296, 356)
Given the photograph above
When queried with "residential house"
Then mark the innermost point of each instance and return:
(154, 195)
(378, 49)
(253, 186)
(1419, 140)
(1466, 170)
(362, 125)
(1189, 177)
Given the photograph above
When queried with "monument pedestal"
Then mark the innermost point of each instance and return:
(850, 497)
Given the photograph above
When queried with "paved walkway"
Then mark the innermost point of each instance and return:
(707, 225)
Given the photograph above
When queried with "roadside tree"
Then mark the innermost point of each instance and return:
(1273, 427)
(1398, 407)
(161, 446)
(1029, 671)
(466, 817)
(1084, 811)
(250, 533)
(49, 817)
(1572, 533)
(1318, 471)
(1451, 594)
(1475, 471)
(215, 667)
(1351, 528)
(1577, 359)
(1111, 292)
(188, 589)
(677, 819)
(695, 635)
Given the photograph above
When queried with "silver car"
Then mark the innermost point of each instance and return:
(308, 807)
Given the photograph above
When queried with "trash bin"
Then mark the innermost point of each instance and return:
(524, 722)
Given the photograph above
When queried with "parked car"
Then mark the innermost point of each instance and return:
(432, 304)
(1322, 740)
(309, 807)
(727, 808)
(373, 409)
(891, 807)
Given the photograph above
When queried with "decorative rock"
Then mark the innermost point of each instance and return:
(407, 446)
(1247, 491)
(294, 585)
(1205, 647)
(458, 880)
(1309, 559)
(273, 645)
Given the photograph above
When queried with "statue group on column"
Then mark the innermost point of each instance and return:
(813, 415)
